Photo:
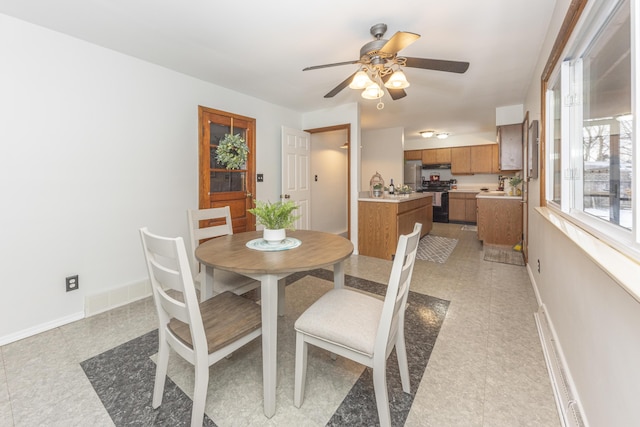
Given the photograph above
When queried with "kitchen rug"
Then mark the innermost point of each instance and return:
(339, 390)
(435, 248)
(503, 255)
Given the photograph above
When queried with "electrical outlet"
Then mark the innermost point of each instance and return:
(538, 266)
(72, 283)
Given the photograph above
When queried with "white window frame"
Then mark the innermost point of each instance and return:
(570, 72)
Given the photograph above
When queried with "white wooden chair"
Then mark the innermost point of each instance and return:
(202, 333)
(361, 327)
(222, 280)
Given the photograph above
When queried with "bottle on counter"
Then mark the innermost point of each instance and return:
(392, 189)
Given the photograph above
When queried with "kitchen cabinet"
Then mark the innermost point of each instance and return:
(510, 143)
(495, 158)
(436, 156)
(481, 156)
(462, 206)
(461, 160)
(413, 154)
(382, 221)
(499, 220)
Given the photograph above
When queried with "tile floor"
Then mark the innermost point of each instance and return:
(487, 367)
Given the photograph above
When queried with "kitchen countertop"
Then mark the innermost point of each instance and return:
(490, 195)
(395, 199)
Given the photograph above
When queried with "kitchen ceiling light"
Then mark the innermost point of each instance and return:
(442, 135)
(427, 133)
(397, 81)
(372, 91)
(360, 81)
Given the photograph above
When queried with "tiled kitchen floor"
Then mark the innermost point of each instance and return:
(487, 367)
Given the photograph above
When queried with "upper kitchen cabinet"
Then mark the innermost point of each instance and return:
(461, 161)
(413, 154)
(436, 156)
(481, 156)
(510, 143)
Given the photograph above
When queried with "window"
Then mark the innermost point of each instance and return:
(590, 126)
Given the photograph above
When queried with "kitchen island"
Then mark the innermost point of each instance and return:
(381, 221)
(499, 218)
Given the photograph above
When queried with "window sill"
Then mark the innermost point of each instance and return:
(624, 270)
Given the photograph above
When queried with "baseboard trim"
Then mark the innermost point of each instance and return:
(118, 297)
(38, 329)
(567, 401)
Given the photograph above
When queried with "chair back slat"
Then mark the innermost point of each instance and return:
(170, 274)
(397, 291)
(200, 230)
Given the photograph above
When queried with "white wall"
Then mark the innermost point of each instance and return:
(343, 114)
(329, 191)
(595, 321)
(93, 145)
(383, 152)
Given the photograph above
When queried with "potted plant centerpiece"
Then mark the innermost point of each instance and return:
(276, 219)
(514, 183)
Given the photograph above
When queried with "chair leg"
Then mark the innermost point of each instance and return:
(161, 372)
(200, 392)
(380, 388)
(300, 370)
(403, 365)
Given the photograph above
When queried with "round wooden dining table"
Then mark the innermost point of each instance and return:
(316, 250)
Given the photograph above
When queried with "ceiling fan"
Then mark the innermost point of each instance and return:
(380, 65)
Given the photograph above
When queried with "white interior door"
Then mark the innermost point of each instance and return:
(296, 153)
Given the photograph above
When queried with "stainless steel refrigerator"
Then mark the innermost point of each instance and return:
(413, 174)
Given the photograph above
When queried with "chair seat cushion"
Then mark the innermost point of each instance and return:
(226, 317)
(343, 317)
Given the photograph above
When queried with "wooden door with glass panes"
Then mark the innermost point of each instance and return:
(219, 186)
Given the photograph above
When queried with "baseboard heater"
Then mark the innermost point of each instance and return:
(569, 407)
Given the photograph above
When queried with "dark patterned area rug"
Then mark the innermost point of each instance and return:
(123, 376)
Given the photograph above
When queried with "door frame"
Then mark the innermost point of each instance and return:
(346, 127)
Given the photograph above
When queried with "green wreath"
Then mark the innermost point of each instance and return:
(232, 151)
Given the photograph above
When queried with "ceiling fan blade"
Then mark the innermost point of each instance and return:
(399, 41)
(438, 65)
(317, 67)
(341, 86)
(397, 93)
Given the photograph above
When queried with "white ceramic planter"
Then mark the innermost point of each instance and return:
(274, 237)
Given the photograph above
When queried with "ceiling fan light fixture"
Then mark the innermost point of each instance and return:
(372, 91)
(360, 81)
(397, 81)
(427, 133)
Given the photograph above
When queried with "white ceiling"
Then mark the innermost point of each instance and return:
(260, 48)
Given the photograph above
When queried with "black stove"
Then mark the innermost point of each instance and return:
(440, 190)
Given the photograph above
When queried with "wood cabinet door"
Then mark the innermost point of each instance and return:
(443, 155)
(219, 186)
(429, 157)
(495, 158)
(461, 160)
(481, 156)
(457, 208)
(413, 155)
(471, 209)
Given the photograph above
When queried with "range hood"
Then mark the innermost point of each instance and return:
(437, 166)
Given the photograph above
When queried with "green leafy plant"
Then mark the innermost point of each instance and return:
(377, 187)
(275, 216)
(515, 181)
(232, 151)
